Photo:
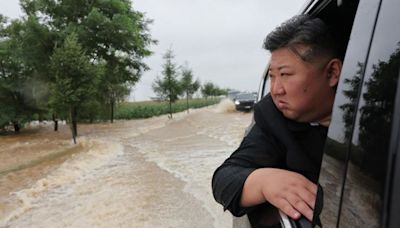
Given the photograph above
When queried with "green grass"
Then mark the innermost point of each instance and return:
(147, 109)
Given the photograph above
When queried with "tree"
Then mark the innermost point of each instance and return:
(168, 88)
(36, 44)
(208, 89)
(188, 86)
(111, 32)
(220, 92)
(33, 44)
(74, 82)
(16, 98)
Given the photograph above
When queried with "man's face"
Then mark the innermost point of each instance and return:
(302, 91)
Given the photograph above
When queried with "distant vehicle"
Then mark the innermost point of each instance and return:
(245, 101)
(232, 94)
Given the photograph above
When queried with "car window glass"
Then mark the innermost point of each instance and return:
(246, 96)
(363, 194)
(339, 135)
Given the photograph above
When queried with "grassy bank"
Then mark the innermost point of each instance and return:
(146, 109)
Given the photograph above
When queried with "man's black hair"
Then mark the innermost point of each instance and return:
(304, 31)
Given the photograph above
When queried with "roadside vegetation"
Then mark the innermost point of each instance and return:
(67, 58)
(147, 109)
(177, 82)
(78, 62)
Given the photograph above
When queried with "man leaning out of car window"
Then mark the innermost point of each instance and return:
(277, 163)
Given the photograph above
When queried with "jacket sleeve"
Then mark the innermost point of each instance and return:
(257, 150)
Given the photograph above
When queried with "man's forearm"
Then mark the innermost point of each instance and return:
(286, 190)
(252, 190)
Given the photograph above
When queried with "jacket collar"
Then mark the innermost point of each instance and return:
(270, 119)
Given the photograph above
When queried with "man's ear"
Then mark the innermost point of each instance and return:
(334, 67)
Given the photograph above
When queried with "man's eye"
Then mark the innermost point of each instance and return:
(285, 74)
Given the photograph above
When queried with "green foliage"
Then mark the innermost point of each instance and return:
(36, 45)
(210, 89)
(117, 35)
(113, 35)
(168, 88)
(207, 89)
(74, 80)
(188, 86)
(138, 110)
(17, 99)
(38, 79)
(73, 72)
(92, 110)
(30, 45)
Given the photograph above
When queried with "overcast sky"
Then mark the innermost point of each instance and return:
(221, 40)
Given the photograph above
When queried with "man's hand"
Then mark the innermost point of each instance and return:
(290, 192)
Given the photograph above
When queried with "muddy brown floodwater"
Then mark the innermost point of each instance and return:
(142, 173)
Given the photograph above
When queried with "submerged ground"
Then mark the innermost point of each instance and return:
(142, 173)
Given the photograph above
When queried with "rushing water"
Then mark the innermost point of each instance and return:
(142, 173)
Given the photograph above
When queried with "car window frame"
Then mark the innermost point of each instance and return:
(312, 7)
(392, 200)
(356, 104)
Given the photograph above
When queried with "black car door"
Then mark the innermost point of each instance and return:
(358, 146)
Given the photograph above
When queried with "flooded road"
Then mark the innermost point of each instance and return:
(142, 173)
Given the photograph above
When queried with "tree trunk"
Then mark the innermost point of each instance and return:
(112, 103)
(16, 126)
(74, 129)
(170, 109)
(40, 117)
(187, 103)
(55, 122)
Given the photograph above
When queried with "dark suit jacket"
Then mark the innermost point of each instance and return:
(273, 141)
